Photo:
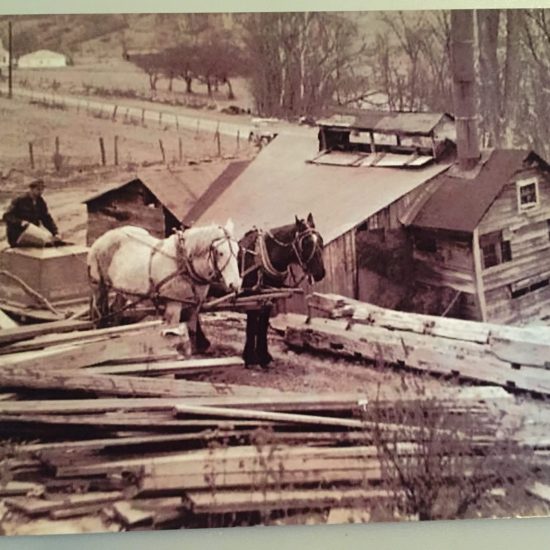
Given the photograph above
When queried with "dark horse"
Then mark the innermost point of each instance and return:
(265, 258)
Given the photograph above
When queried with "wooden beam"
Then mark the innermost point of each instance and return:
(181, 367)
(8, 336)
(19, 375)
(150, 341)
(480, 290)
(234, 501)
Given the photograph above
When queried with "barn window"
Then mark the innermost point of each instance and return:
(528, 194)
(521, 289)
(494, 249)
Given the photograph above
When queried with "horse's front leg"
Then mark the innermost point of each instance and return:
(250, 355)
(199, 342)
(172, 313)
(264, 357)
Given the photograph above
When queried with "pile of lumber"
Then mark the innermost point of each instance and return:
(122, 423)
(514, 357)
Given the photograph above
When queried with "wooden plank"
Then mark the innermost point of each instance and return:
(150, 341)
(76, 511)
(225, 412)
(478, 274)
(56, 337)
(220, 502)
(539, 490)
(131, 516)
(182, 367)
(18, 488)
(36, 506)
(6, 322)
(234, 459)
(9, 336)
(97, 445)
(262, 398)
(143, 423)
(20, 376)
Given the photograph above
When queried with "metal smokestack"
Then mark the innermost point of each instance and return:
(464, 92)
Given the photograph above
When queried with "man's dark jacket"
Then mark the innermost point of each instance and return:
(22, 209)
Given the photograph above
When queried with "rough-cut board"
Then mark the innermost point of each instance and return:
(9, 336)
(19, 376)
(6, 322)
(19, 488)
(259, 398)
(130, 516)
(182, 367)
(218, 502)
(36, 506)
(424, 352)
(149, 341)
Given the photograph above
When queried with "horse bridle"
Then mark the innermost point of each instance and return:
(297, 245)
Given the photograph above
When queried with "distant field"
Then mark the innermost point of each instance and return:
(123, 76)
(79, 139)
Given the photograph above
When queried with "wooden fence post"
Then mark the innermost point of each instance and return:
(114, 113)
(31, 154)
(57, 145)
(180, 149)
(177, 124)
(160, 118)
(102, 148)
(116, 150)
(238, 140)
(143, 117)
(217, 138)
(162, 151)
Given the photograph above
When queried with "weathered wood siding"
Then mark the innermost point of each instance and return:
(528, 233)
(130, 205)
(449, 266)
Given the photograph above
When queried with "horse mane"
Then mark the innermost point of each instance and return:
(199, 239)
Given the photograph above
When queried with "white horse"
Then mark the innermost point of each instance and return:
(132, 264)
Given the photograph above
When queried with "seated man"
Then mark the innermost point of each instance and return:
(29, 208)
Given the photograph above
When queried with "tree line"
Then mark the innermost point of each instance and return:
(312, 63)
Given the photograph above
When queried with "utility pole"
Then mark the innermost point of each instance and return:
(10, 60)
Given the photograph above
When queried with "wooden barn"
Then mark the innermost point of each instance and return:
(156, 199)
(482, 242)
(357, 176)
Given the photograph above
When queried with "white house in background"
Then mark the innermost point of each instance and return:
(42, 59)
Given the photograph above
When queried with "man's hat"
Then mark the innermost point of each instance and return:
(38, 183)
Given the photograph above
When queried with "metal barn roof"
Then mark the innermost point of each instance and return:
(178, 190)
(459, 204)
(279, 184)
(389, 122)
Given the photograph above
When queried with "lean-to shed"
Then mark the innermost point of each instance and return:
(157, 199)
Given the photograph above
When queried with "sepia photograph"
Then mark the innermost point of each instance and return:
(273, 269)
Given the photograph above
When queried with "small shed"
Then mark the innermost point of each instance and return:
(157, 199)
(482, 240)
(42, 59)
(350, 190)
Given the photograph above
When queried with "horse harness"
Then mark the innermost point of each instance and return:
(185, 270)
(263, 263)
